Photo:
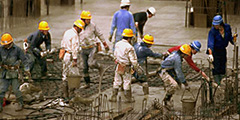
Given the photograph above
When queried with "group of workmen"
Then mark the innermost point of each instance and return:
(129, 55)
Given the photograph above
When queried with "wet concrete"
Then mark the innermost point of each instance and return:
(167, 27)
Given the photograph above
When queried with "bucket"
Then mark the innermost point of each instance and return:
(188, 104)
(74, 81)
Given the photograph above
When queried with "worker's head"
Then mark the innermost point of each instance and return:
(86, 17)
(125, 4)
(43, 27)
(148, 40)
(217, 21)
(186, 49)
(7, 40)
(78, 25)
(151, 12)
(196, 46)
(127, 34)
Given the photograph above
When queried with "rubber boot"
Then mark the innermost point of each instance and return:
(87, 81)
(65, 90)
(20, 104)
(114, 95)
(1, 105)
(128, 96)
(145, 88)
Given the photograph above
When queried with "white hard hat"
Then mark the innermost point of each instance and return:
(125, 3)
(152, 10)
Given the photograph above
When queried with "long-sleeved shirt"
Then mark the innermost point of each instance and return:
(174, 61)
(124, 53)
(187, 58)
(122, 19)
(70, 42)
(89, 35)
(215, 39)
(11, 57)
(37, 38)
(143, 52)
(141, 18)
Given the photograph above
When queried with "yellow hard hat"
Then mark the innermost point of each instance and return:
(86, 15)
(43, 25)
(148, 39)
(79, 23)
(127, 32)
(186, 49)
(6, 39)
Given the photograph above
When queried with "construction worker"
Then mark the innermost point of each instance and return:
(143, 51)
(141, 18)
(196, 46)
(10, 54)
(121, 19)
(88, 43)
(35, 51)
(173, 65)
(125, 56)
(70, 43)
(218, 38)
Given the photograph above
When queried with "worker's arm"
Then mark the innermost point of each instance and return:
(150, 53)
(48, 42)
(176, 48)
(191, 63)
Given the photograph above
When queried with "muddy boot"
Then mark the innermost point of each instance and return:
(20, 104)
(65, 90)
(114, 95)
(145, 88)
(87, 81)
(128, 96)
(1, 105)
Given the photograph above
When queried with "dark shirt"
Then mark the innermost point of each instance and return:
(141, 18)
(37, 38)
(215, 39)
(143, 52)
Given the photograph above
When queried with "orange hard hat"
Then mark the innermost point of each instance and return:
(149, 39)
(127, 32)
(6, 39)
(79, 23)
(43, 25)
(186, 49)
(86, 15)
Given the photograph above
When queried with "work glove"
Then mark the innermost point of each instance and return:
(74, 64)
(43, 53)
(205, 76)
(25, 46)
(110, 38)
(210, 57)
(235, 37)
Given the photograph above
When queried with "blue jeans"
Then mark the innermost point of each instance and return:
(4, 84)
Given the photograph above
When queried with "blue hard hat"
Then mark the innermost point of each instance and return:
(217, 20)
(196, 45)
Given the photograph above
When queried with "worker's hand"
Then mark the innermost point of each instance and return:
(110, 38)
(74, 63)
(141, 36)
(106, 46)
(235, 37)
(165, 54)
(205, 76)
(43, 53)
(210, 57)
(25, 46)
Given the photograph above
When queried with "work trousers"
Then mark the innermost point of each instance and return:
(4, 84)
(220, 60)
(35, 59)
(169, 82)
(67, 62)
(124, 78)
(89, 59)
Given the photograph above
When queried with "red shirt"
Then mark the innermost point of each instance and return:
(188, 58)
